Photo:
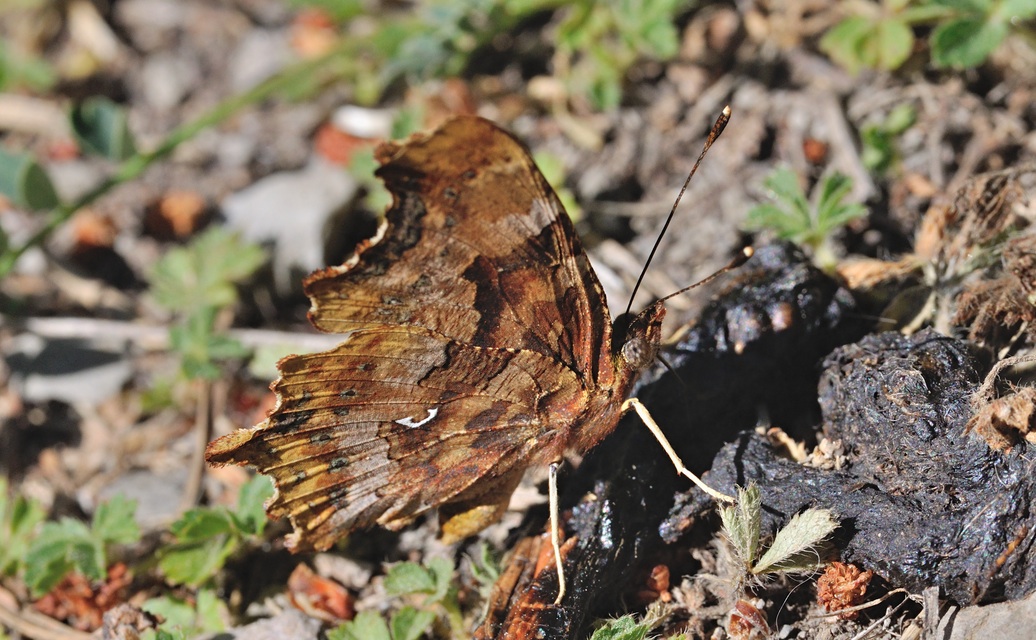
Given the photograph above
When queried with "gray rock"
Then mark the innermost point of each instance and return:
(259, 55)
(152, 24)
(290, 623)
(70, 371)
(292, 211)
(167, 78)
(1015, 620)
(74, 178)
(158, 496)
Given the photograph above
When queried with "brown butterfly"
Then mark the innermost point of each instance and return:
(479, 343)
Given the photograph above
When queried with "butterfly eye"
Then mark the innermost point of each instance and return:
(638, 353)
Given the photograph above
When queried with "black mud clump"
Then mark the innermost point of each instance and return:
(921, 501)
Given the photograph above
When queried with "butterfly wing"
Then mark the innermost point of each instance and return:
(390, 424)
(476, 330)
(477, 247)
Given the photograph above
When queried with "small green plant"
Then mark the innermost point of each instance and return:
(807, 221)
(433, 583)
(25, 182)
(624, 628)
(20, 519)
(976, 29)
(880, 153)
(485, 568)
(794, 548)
(182, 619)
(70, 545)
(205, 537)
(24, 72)
(197, 282)
(965, 33)
(597, 42)
(101, 127)
(553, 169)
(362, 163)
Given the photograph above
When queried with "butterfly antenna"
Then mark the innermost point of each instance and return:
(739, 260)
(669, 366)
(717, 129)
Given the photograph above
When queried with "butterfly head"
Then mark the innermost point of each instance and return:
(639, 336)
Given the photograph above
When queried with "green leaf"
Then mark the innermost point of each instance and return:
(742, 523)
(222, 347)
(191, 341)
(966, 43)
(25, 183)
(485, 568)
(182, 619)
(19, 520)
(927, 13)
(845, 43)
(205, 538)
(113, 522)
(407, 121)
(60, 548)
(789, 216)
(409, 577)
(901, 118)
(410, 624)
(442, 570)
(893, 42)
(194, 563)
(770, 216)
(832, 213)
(1016, 10)
(211, 612)
(624, 628)
(200, 347)
(17, 72)
(785, 189)
(251, 510)
(367, 625)
(203, 274)
(162, 634)
(177, 613)
(201, 524)
(100, 126)
(869, 42)
(833, 188)
(605, 90)
(879, 140)
(338, 10)
(974, 7)
(797, 539)
(661, 39)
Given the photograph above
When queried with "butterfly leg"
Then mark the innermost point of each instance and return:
(645, 417)
(555, 529)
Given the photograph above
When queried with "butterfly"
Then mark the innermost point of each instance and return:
(479, 344)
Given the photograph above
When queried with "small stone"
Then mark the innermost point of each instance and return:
(260, 55)
(168, 78)
(291, 210)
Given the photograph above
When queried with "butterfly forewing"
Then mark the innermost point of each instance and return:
(477, 248)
